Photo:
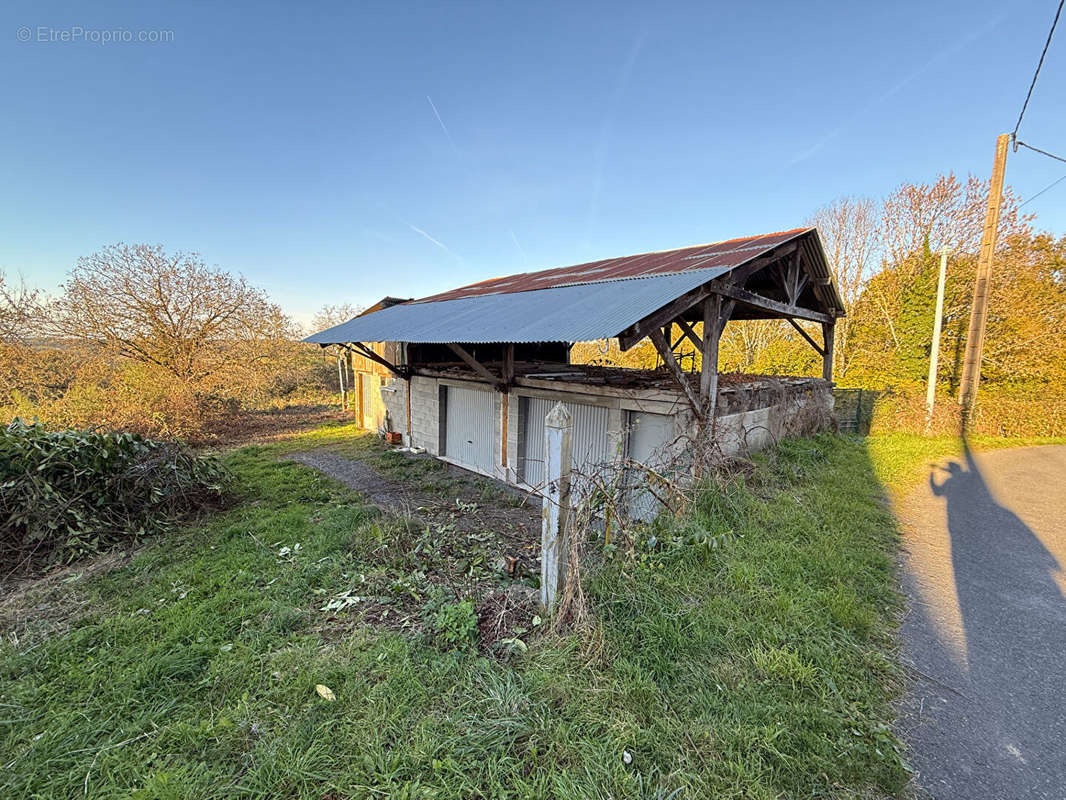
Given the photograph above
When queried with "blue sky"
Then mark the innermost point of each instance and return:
(341, 152)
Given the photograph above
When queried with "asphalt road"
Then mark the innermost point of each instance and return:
(984, 637)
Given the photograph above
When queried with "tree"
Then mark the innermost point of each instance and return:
(169, 310)
(331, 315)
(849, 230)
(20, 311)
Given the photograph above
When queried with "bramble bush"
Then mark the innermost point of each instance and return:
(69, 493)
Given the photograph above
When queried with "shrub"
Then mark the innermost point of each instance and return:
(64, 494)
(454, 625)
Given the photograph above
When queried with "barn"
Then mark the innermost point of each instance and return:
(468, 375)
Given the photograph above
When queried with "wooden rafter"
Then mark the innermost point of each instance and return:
(805, 335)
(667, 354)
(744, 297)
(689, 333)
(363, 350)
(473, 363)
(667, 314)
(740, 274)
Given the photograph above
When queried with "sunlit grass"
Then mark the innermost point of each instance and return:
(901, 460)
(760, 669)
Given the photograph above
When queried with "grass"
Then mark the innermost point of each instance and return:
(902, 459)
(759, 668)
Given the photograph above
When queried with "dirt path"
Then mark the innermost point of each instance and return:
(985, 632)
(473, 504)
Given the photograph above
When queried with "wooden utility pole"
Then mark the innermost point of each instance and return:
(934, 351)
(975, 337)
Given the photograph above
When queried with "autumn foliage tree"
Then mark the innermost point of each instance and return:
(151, 341)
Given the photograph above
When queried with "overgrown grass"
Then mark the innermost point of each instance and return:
(758, 669)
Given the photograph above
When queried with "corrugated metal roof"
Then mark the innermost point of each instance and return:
(728, 254)
(575, 313)
(572, 304)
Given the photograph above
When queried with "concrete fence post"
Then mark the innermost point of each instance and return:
(556, 505)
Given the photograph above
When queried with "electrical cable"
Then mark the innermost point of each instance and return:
(1051, 185)
(1042, 152)
(1025, 105)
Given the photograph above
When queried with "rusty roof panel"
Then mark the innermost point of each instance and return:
(717, 255)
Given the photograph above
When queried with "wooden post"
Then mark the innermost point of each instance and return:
(828, 330)
(556, 505)
(359, 410)
(934, 350)
(712, 312)
(975, 337)
(341, 383)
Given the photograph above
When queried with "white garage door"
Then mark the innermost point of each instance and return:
(468, 434)
(588, 441)
(366, 385)
(649, 436)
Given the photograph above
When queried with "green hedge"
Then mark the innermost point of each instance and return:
(67, 493)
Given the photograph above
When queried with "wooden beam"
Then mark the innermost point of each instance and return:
(712, 310)
(806, 336)
(363, 350)
(828, 329)
(745, 271)
(747, 298)
(473, 363)
(668, 313)
(667, 354)
(725, 315)
(508, 364)
(689, 333)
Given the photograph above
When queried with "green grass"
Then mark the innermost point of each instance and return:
(901, 460)
(760, 668)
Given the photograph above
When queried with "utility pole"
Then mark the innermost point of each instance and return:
(975, 337)
(934, 352)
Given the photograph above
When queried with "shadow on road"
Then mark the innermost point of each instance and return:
(1013, 614)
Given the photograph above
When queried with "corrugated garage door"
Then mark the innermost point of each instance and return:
(366, 384)
(468, 434)
(589, 438)
(649, 435)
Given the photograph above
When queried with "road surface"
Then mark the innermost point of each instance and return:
(984, 637)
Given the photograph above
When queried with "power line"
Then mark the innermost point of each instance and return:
(1038, 150)
(1025, 105)
(1051, 185)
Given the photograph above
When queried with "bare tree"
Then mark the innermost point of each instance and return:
(20, 311)
(330, 315)
(849, 230)
(170, 310)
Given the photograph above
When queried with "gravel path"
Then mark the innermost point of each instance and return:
(466, 507)
(386, 494)
(985, 632)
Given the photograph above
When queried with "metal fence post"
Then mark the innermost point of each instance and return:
(858, 415)
(556, 504)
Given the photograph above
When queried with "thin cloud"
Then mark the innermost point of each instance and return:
(437, 242)
(525, 258)
(621, 85)
(870, 105)
(443, 127)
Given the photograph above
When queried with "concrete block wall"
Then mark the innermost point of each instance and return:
(425, 414)
(801, 413)
(393, 394)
